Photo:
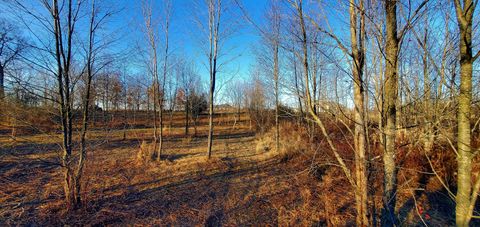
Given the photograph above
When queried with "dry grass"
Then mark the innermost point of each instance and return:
(246, 182)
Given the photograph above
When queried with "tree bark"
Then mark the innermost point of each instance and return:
(63, 57)
(86, 108)
(357, 37)
(214, 10)
(275, 42)
(165, 65)
(2, 82)
(465, 199)
(187, 108)
(391, 92)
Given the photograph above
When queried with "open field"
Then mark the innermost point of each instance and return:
(184, 188)
(246, 182)
(239, 113)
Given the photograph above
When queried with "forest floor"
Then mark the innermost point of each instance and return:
(244, 183)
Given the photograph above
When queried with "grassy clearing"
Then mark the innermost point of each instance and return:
(246, 182)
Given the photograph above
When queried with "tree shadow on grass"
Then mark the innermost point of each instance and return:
(202, 197)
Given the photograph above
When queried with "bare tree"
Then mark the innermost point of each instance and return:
(466, 192)
(214, 21)
(151, 35)
(166, 27)
(236, 92)
(95, 21)
(11, 45)
(298, 6)
(393, 39)
(274, 40)
(357, 39)
(188, 78)
(63, 56)
(391, 94)
(56, 53)
(357, 55)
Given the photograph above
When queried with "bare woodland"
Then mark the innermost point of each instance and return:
(351, 113)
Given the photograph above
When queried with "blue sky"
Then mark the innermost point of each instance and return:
(185, 36)
(184, 33)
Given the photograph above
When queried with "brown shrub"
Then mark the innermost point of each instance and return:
(293, 140)
(144, 153)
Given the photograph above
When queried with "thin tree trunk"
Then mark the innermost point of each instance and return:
(147, 14)
(275, 77)
(63, 79)
(86, 105)
(297, 89)
(429, 134)
(210, 115)
(187, 107)
(2, 85)
(391, 92)
(162, 97)
(309, 104)
(214, 26)
(357, 37)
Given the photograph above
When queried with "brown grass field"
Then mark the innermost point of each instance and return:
(245, 183)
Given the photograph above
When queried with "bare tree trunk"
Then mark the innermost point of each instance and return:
(357, 37)
(391, 92)
(275, 42)
(309, 105)
(152, 41)
(297, 88)
(86, 105)
(210, 114)
(429, 134)
(275, 73)
(214, 10)
(160, 140)
(63, 79)
(2, 83)
(466, 194)
(165, 65)
(187, 108)
(155, 100)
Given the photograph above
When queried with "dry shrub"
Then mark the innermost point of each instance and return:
(444, 163)
(206, 166)
(144, 153)
(187, 140)
(265, 143)
(293, 140)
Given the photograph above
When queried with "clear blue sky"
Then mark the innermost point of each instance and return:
(184, 32)
(185, 39)
(126, 26)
